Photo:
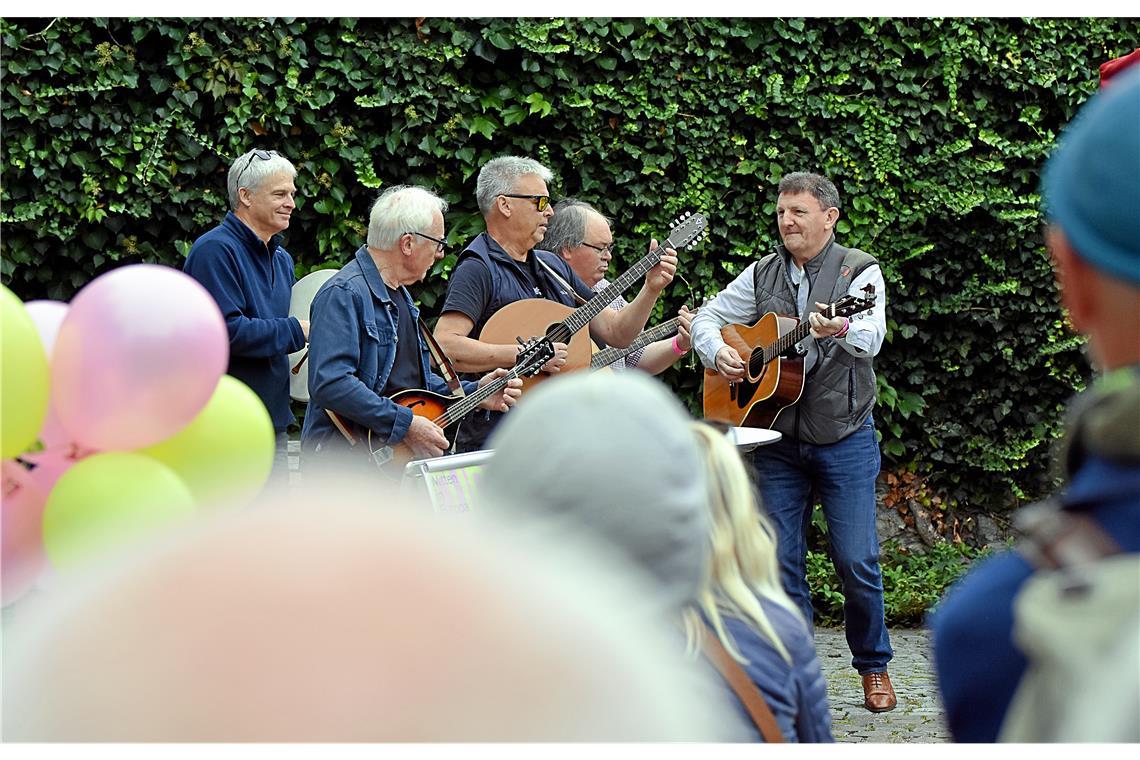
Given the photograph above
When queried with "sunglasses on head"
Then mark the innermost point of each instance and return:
(264, 155)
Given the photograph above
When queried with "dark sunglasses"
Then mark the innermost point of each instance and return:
(264, 155)
(439, 244)
(540, 201)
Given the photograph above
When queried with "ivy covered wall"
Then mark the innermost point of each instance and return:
(117, 135)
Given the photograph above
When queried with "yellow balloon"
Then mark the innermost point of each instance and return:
(225, 454)
(108, 501)
(24, 383)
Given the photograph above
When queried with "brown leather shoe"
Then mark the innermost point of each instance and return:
(878, 694)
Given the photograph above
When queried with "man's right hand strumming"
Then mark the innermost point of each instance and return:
(729, 364)
(425, 438)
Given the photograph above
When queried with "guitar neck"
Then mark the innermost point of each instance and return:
(783, 343)
(464, 406)
(582, 316)
(608, 356)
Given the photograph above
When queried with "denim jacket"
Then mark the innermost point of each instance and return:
(352, 348)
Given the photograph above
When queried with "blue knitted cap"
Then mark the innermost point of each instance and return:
(1091, 184)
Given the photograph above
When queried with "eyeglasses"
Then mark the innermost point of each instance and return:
(439, 244)
(600, 248)
(540, 201)
(264, 155)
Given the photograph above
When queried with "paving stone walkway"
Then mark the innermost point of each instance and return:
(918, 717)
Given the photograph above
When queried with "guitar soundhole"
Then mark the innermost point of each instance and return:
(414, 404)
(745, 390)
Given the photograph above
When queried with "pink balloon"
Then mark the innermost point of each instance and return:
(138, 356)
(50, 464)
(22, 556)
(47, 316)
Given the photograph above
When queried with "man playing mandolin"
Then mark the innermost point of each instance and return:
(828, 452)
(502, 267)
(365, 343)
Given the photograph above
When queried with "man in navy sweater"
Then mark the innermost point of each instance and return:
(251, 277)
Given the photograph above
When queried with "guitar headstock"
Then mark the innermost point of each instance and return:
(687, 229)
(533, 354)
(851, 305)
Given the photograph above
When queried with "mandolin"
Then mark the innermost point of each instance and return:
(447, 411)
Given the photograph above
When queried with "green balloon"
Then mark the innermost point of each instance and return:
(109, 501)
(225, 454)
(24, 377)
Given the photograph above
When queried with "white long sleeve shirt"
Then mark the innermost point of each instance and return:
(736, 304)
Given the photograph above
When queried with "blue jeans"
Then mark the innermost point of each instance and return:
(792, 476)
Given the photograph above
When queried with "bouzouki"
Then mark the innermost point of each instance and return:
(774, 372)
(606, 356)
(563, 324)
(447, 411)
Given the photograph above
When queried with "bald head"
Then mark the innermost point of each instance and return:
(292, 624)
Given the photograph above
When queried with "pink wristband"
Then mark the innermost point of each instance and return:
(846, 324)
(676, 347)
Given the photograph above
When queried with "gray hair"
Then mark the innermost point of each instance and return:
(819, 186)
(499, 175)
(249, 171)
(567, 227)
(401, 209)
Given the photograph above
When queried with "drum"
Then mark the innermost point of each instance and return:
(304, 290)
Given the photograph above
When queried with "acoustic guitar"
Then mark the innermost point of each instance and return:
(563, 324)
(446, 411)
(774, 371)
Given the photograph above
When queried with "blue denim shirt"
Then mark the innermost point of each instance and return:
(352, 348)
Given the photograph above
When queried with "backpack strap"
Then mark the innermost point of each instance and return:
(742, 686)
(1055, 538)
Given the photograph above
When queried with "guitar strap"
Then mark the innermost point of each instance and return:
(821, 291)
(825, 279)
(558, 278)
(745, 690)
(446, 370)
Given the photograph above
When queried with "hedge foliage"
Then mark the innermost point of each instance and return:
(118, 133)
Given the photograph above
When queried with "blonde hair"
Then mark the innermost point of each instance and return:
(744, 565)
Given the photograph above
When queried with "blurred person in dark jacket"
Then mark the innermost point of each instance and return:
(1091, 195)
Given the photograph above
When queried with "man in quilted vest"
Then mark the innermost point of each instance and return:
(829, 452)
